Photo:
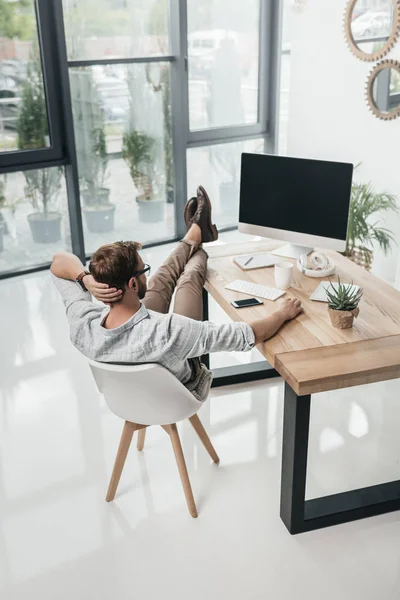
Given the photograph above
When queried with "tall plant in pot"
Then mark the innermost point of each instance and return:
(364, 230)
(42, 186)
(138, 152)
(91, 152)
(142, 150)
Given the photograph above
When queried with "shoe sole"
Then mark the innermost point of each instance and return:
(212, 228)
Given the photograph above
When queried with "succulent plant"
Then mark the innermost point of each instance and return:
(343, 296)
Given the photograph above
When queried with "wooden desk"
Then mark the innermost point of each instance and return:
(312, 357)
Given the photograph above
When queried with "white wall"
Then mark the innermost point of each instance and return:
(328, 114)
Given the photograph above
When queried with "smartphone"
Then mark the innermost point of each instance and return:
(246, 303)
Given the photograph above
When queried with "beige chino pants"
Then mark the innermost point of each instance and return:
(185, 269)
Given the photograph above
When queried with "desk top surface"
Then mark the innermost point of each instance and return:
(309, 353)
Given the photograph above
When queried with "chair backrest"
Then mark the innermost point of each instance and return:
(147, 394)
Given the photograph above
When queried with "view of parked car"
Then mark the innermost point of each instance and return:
(372, 24)
(9, 103)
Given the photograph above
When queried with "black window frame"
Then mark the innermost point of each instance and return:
(55, 68)
(55, 153)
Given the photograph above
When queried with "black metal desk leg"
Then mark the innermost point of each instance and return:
(205, 359)
(296, 422)
(237, 373)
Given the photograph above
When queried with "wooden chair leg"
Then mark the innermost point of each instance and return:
(201, 432)
(126, 438)
(180, 460)
(141, 438)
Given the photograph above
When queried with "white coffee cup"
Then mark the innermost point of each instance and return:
(283, 275)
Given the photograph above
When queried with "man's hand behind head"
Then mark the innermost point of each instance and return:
(101, 291)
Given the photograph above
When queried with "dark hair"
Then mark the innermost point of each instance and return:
(115, 263)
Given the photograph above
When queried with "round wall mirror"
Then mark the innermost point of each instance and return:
(372, 28)
(383, 90)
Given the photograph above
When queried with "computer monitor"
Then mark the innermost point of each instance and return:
(302, 201)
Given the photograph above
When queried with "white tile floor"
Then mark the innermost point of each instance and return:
(59, 539)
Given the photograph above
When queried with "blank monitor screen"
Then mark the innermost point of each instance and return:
(295, 194)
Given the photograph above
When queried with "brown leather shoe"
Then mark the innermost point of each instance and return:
(202, 217)
(189, 212)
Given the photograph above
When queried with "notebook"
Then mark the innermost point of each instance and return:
(319, 295)
(255, 261)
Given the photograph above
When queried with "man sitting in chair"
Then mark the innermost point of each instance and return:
(136, 327)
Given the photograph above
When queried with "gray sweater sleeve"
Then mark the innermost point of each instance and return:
(188, 338)
(76, 301)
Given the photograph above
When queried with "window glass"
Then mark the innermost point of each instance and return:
(23, 112)
(122, 117)
(223, 43)
(98, 29)
(217, 168)
(34, 221)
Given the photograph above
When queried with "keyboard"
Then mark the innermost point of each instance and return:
(254, 289)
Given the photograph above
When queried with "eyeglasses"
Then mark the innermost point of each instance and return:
(147, 269)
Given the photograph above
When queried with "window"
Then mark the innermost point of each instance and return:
(104, 29)
(34, 221)
(122, 117)
(285, 51)
(23, 114)
(217, 167)
(223, 44)
(112, 112)
(29, 118)
(228, 100)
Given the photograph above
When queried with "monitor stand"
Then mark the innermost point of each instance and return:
(292, 251)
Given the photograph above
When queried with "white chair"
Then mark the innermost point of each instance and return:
(145, 395)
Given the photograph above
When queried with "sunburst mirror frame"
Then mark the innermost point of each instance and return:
(382, 52)
(385, 64)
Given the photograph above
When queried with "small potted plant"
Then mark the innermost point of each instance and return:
(138, 150)
(42, 189)
(91, 151)
(43, 185)
(363, 232)
(343, 301)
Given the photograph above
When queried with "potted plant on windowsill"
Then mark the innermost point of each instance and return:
(98, 210)
(138, 151)
(363, 232)
(91, 149)
(42, 185)
(343, 301)
(42, 189)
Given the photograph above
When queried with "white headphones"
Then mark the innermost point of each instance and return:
(316, 265)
